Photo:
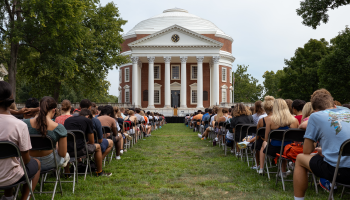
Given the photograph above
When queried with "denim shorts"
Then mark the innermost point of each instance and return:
(104, 145)
(48, 162)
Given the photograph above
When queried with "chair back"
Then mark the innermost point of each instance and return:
(238, 128)
(106, 129)
(251, 130)
(261, 132)
(244, 130)
(345, 148)
(95, 136)
(78, 134)
(294, 134)
(206, 122)
(276, 135)
(8, 150)
(41, 143)
(228, 126)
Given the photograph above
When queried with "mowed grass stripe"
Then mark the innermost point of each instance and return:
(175, 164)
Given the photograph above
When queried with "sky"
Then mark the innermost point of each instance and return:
(264, 32)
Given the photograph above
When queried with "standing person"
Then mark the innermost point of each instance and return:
(297, 108)
(329, 126)
(281, 119)
(259, 112)
(66, 108)
(83, 122)
(17, 132)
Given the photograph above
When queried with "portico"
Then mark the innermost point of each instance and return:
(176, 66)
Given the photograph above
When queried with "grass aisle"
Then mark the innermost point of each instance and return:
(175, 164)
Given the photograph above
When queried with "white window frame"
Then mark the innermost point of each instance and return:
(171, 68)
(192, 94)
(224, 95)
(158, 87)
(223, 78)
(127, 96)
(193, 87)
(127, 69)
(192, 72)
(159, 72)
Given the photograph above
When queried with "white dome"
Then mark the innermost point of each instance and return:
(177, 16)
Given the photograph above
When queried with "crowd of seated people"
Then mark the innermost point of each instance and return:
(47, 118)
(324, 120)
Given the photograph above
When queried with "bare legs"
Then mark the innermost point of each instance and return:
(98, 158)
(109, 148)
(300, 179)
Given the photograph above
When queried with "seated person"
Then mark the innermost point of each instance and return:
(43, 125)
(259, 112)
(211, 123)
(132, 119)
(148, 128)
(66, 108)
(106, 144)
(241, 115)
(11, 169)
(297, 107)
(106, 120)
(328, 126)
(281, 119)
(83, 122)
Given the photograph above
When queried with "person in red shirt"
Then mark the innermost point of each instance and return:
(297, 107)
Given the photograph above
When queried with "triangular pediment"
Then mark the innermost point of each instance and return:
(186, 38)
(174, 84)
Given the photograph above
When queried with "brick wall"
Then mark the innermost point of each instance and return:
(227, 43)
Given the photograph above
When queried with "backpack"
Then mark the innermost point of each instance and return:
(291, 152)
(128, 122)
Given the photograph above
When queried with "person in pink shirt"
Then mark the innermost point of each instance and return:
(16, 131)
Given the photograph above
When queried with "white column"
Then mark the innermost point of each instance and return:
(135, 80)
(211, 82)
(183, 93)
(167, 92)
(216, 87)
(120, 94)
(139, 92)
(150, 81)
(200, 81)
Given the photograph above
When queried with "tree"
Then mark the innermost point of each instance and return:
(300, 77)
(246, 87)
(334, 68)
(315, 11)
(79, 58)
(271, 82)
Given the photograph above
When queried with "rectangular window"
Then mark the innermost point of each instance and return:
(224, 96)
(194, 97)
(224, 74)
(127, 75)
(194, 69)
(127, 96)
(156, 97)
(175, 72)
(156, 72)
(120, 76)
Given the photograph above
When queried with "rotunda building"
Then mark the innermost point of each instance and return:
(178, 60)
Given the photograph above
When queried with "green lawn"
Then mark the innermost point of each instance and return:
(175, 164)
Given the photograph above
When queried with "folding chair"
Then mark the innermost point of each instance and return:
(250, 131)
(126, 128)
(259, 133)
(227, 128)
(343, 151)
(74, 135)
(45, 143)
(237, 131)
(296, 135)
(242, 135)
(107, 129)
(273, 135)
(220, 134)
(9, 150)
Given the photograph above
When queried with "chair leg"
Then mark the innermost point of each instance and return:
(342, 193)
(314, 179)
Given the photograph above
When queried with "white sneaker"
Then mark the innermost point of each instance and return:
(121, 151)
(261, 171)
(118, 157)
(232, 151)
(255, 167)
(199, 135)
(216, 139)
(66, 159)
(288, 173)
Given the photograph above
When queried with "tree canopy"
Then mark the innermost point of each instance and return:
(315, 11)
(334, 68)
(271, 82)
(246, 87)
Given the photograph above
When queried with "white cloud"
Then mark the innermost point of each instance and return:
(264, 32)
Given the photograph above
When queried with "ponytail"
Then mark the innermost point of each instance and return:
(46, 104)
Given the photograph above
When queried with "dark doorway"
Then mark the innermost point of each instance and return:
(175, 98)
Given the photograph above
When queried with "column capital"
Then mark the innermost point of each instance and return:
(183, 59)
(134, 59)
(216, 59)
(167, 59)
(200, 59)
(151, 59)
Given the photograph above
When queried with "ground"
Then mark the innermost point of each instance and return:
(175, 164)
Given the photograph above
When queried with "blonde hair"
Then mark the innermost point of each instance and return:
(142, 113)
(268, 104)
(131, 112)
(219, 114)
(281, 115)
(307, 110)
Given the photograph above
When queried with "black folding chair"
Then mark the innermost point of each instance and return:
(107, 129)
(343, 151)
(227, 128)
(237, 131)
(126, 128)
(242, 135)
(251, 130)
(273, 135)
(260, 133)
(45, 143)
(9, 150)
